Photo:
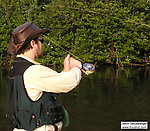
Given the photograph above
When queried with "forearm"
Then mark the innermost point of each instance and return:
(48, 80)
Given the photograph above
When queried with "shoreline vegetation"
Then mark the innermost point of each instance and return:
(102, 32)
(6, 65)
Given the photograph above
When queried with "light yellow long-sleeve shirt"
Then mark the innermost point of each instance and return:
(39, 79)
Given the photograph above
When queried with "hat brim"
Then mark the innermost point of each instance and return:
(35, 35)
(32, 36)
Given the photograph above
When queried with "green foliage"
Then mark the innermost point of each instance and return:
(110, 31)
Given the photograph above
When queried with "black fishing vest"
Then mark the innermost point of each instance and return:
(24, 113)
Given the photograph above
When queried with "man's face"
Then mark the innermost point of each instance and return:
(39, 50)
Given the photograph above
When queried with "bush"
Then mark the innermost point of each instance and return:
(115, 32)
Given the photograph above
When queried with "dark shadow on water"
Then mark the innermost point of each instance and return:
(3, 123)
(103, 99)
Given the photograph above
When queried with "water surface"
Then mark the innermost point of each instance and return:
(102, 100)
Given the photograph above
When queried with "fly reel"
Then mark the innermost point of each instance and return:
(88, 68)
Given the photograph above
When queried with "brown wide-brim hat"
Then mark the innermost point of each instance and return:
(22, 36)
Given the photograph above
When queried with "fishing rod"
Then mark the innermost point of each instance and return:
(87, 68)
(63, 48)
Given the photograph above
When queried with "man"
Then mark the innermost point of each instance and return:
(32, 88)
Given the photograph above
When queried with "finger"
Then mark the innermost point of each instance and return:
(68, 56)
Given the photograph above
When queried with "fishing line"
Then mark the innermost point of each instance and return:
(88, 68)
(27, 17)
(84, 10)
(88, 11)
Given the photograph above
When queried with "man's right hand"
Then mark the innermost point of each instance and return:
(70, 62)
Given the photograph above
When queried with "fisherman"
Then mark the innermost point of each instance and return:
(32, 88)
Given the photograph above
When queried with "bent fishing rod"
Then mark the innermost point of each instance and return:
(87, 68)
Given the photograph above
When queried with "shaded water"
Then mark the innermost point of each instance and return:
(102, 99)
(3, 123)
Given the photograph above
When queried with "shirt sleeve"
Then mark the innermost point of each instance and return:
(41, 78)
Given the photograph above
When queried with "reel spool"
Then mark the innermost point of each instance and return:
(88, 68)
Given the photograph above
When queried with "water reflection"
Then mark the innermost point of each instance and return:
(103, 99)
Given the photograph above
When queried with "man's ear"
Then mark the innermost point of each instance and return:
(32, 43)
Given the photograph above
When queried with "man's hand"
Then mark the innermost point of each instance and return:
(75, 63)
(69, 63)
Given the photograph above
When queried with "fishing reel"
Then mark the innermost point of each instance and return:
(88, 68)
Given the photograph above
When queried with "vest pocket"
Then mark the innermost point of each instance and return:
(27, 120)
(55, 114)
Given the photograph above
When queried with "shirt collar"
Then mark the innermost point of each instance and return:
(28, 59)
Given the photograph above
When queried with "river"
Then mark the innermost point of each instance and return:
(102, 100)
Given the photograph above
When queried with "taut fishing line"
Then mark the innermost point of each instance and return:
(87, 67)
